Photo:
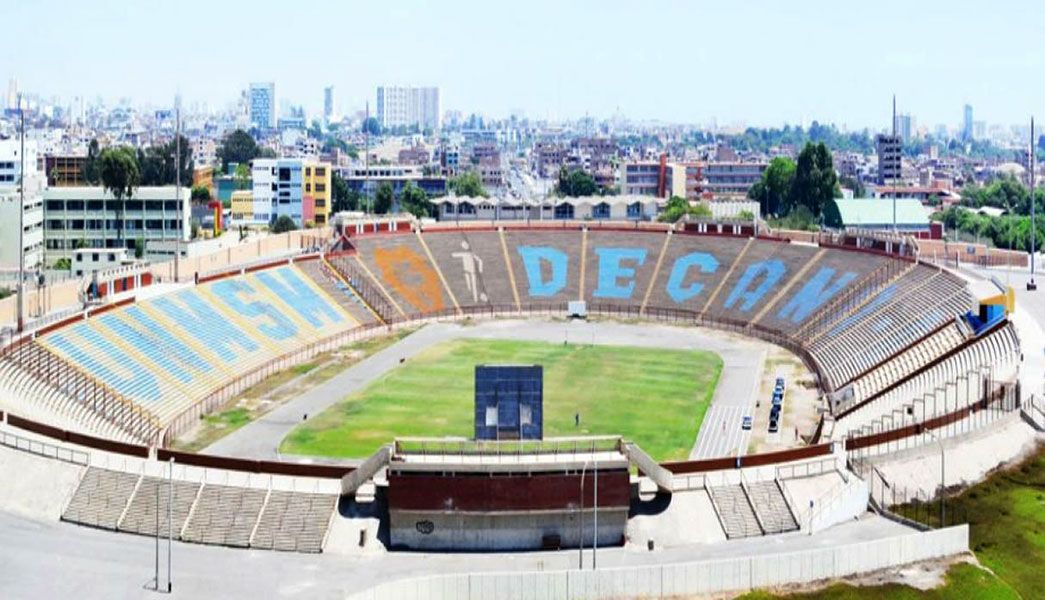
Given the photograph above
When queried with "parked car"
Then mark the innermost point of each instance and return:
(774, 425)
(745, 424)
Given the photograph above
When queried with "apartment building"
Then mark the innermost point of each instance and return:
(690, 180)
(366, 181)
(90, 217)
(295, 187)
(889, 149)
(730, 179)
(408, 107)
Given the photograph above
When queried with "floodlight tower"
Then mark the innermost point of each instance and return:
(1031, 285)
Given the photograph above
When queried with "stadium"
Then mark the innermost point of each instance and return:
(725, 408)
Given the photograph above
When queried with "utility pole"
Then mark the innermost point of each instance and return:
(895, 190)
(595, 534)
(366, 159)
(1031, 285)
(170, 519)
(177, 190)
(21, 222)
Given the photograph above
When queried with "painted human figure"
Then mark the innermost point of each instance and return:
(473, 267)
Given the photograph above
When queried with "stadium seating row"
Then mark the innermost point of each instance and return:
(167, 353)
(202, 513)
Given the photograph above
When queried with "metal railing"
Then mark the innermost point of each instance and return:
(44, 449)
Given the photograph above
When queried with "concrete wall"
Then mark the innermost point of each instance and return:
(705, 577)
(516, 531)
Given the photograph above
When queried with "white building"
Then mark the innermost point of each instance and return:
(262, 103)
(617, 208)
(89, 217)
(86, 261)
(408, 106)
(11, 205)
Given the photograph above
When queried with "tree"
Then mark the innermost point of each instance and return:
(678, 206)
(468, 184)
(237, 147)
(283, 224)
(63, 264)
(200, 194)
(343, 197)
(384, 198)
(139, 247)
(242, 176)
(414, 200)
(371, 126)
(859, 191)
(119, 174)
(90, 166)
(773, 189)
(746, 215)
(815, 180)
(157, 163)
(576, 183)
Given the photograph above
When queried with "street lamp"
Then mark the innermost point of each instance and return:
(943, 484)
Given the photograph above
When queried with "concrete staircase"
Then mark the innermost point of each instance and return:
(101, 498)
(734, 511)
(294, 522)
(771, 506)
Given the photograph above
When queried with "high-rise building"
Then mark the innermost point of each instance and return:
(262, 103)
(967, 125)
(903, 126)
(329, 101)
(408, 107)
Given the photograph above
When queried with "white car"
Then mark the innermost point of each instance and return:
(745, 424)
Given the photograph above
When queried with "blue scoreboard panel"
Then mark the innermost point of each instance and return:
(509, 402)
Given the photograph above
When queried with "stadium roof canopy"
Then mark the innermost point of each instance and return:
(877, 213)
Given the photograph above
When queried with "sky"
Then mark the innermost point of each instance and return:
(727, 62)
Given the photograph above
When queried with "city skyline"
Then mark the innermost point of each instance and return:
(706, 63)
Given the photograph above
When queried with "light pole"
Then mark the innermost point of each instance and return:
(580, 523)
(177, 190)
(21, 220)
(1031, 285)
(943, 484)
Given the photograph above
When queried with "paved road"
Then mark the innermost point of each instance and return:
(59, 560)
(736, 385)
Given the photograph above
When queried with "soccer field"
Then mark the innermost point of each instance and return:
(654, 397)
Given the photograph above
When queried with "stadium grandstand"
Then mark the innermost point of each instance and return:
(902, 352)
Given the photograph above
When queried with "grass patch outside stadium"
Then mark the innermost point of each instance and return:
(654, 397)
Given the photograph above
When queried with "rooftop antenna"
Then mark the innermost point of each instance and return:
(1031, 285)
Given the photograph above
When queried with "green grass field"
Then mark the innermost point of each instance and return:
(655, 397)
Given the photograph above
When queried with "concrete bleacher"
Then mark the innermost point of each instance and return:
(947, 386)
(168, 352)
(400, 267)
(337, 290)
(294, 522)
(101, 498)
(744, 302)
(633, 255)
(351, 271)
(141, 514)
(693, 287)
(911, 308)
(563, 246)
(224, 515)
(472, 263)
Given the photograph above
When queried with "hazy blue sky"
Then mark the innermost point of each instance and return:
(760, 62)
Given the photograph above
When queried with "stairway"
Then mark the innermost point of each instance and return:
(770, 504)
(734, 511)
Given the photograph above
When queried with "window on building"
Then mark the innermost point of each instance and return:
(321, 171)
(601, 211)
(321, 187)
(95, 205)
(564, 211)
(635, 210)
